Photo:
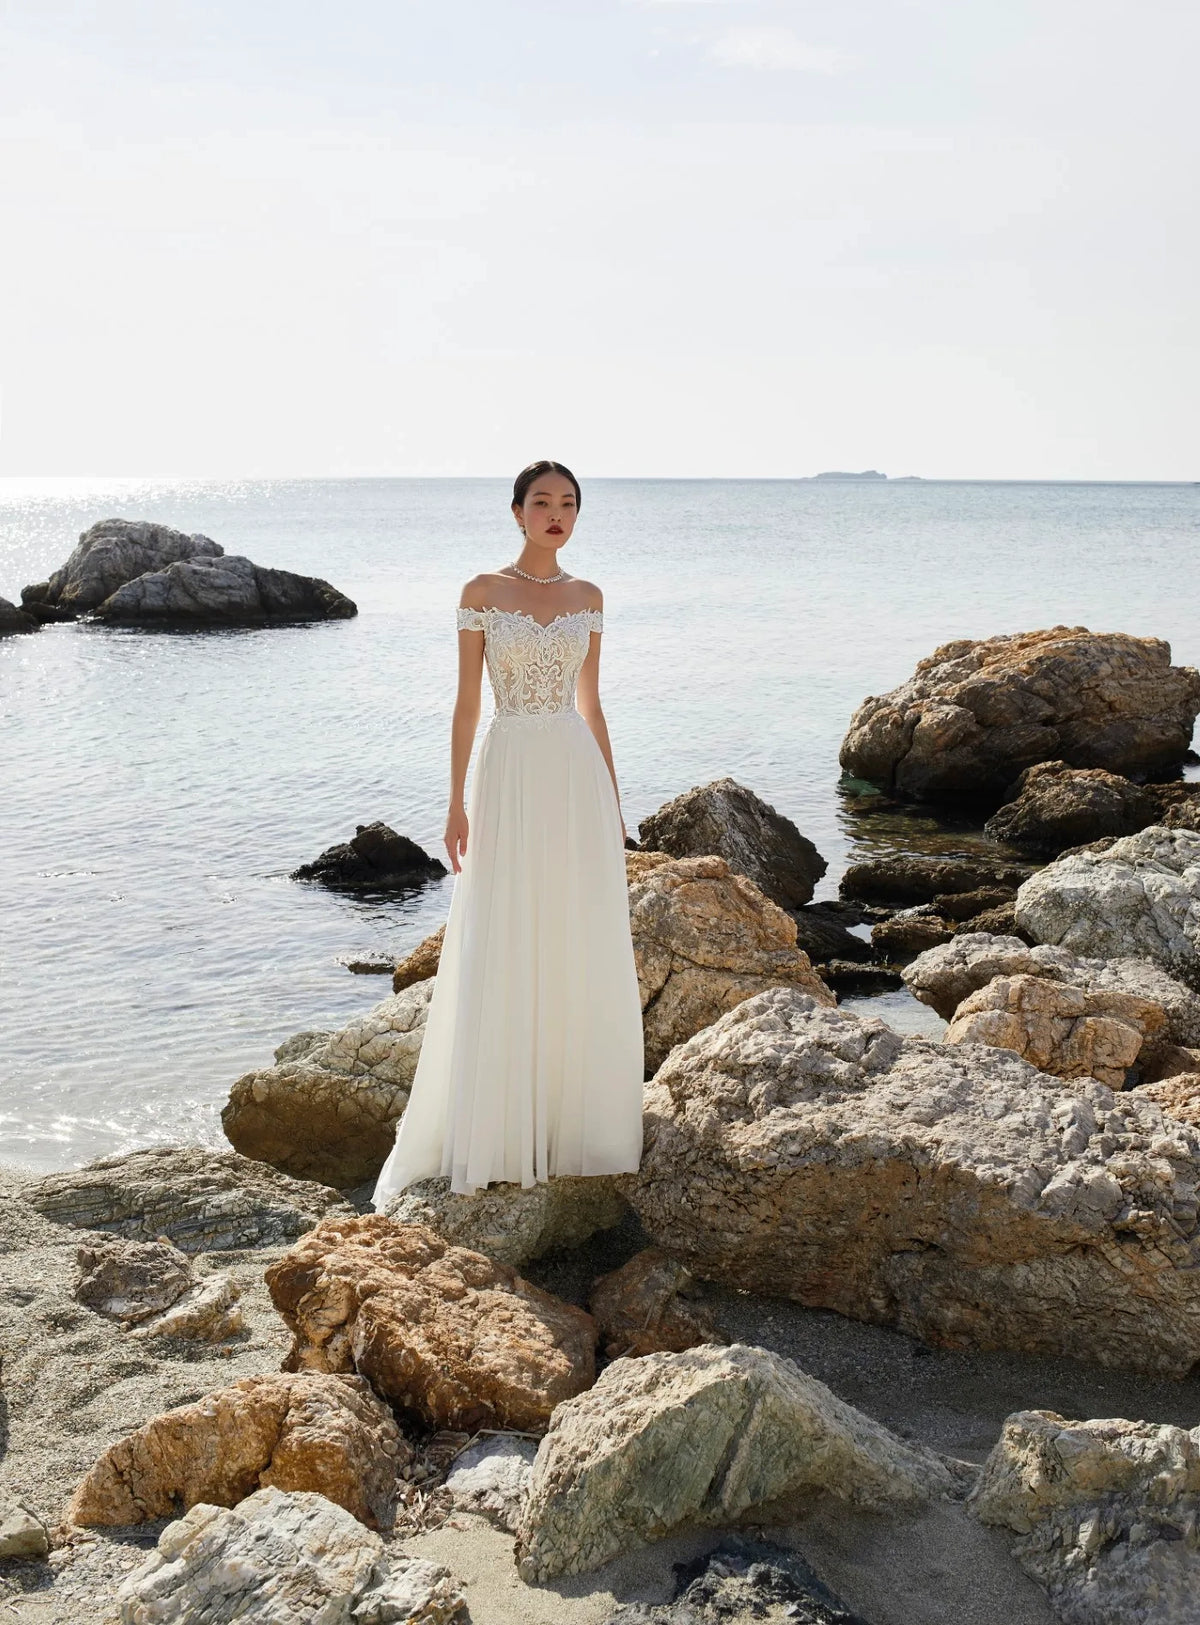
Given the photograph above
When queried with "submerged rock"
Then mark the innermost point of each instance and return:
(374, 859)
(909, 933)
(1108, 1514)
(202, 1200)
(727, 819)
(445, 1333)
(303, 1431)
(951, 1190)
(329, 1111)
(975, 714)
(902, 881)
(1056, 807)
(708, 1436)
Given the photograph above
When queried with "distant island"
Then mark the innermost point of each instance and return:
(867, 474)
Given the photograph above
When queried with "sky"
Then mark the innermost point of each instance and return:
(279, 238)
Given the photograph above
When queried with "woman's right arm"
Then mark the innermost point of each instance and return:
(463, 728)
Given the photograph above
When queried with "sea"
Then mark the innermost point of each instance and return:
(158, 788)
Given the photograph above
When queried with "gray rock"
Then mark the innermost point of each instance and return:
(224, 590)
(329, 1111)
(491, 1477)
(1056, 807)
(301, 1045)
(282, 1558)
(708, 1436)
(512, 1223)
(977, 713)
(1140, 897)
(1108, 1515)
(109, 555)
(22, 1532)
(131, 1280)
(957, 1193)
(202, 1200)
(727, 819)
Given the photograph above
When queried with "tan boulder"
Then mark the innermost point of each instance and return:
(1177, 1097)
(642, 1308)
(421, 964)
(451, 1335)
(302, 1431)
(704, 939)
(1059, 1028)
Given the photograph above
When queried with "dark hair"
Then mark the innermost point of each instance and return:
(534, 472)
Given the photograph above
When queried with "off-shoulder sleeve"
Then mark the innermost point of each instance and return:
(595, 620)
(470, 620)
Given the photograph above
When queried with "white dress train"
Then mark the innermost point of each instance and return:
(532, 1061)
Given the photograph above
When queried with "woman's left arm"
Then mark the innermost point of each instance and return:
(587, 702)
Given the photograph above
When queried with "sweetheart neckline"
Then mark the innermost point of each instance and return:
(567, 615)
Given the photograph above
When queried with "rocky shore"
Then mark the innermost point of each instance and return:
(885, 1328)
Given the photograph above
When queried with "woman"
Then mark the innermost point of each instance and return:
(532, 1061)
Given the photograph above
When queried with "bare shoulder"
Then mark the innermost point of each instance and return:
(594, 598)
(475, 594)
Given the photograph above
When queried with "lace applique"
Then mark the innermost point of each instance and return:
(533, 668)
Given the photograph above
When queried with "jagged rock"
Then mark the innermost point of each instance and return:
(13, 619)
(1056, 806)
(1183, 815)
(208, 1311)
(977, 713)
(995, 922)
(727, 819)
(643, 1308)
(299, 1045)
(966, 905)
(1057, 1027)
(225, 590)
(742, 1579)
(901, 881)
(446, 1333)
(907, 934)
(330, 1114)
(951, 1190)
(945, 976)
(1140, 897)
(703, 1437)
(1178, 1096)
(513, 1223)
(300, 1431)
(22, 1532)
(283, 1559)
(110, 554)
(491, 1477)
(131, 1280)
(421, 963)
(376, 859)
(704, 939)
(203, 1201)
(1108, 1513)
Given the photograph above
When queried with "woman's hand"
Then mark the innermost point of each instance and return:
(456, 836)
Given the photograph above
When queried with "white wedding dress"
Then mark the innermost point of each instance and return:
(532, 1061)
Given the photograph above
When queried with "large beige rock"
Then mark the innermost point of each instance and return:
(202, 1200)
(283, 1559)
(1106, 1511)
(951, 1190)
(421, 963)
(513, 1223)
(727, 819)
(1139, 896)
(975, 714)
(708, 1436)
(302, 1431)
(704, 939)
(448, 1334)
(643, 1307)
(1059, 1028)
(330, 1114)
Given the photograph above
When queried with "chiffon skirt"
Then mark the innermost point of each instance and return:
(532, 1061)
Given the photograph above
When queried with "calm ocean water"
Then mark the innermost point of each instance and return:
(156, 789)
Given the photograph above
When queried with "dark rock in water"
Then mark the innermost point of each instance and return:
(376, 859)
(823, 935)
(13, 619)
(846, 976)
(965, 905)
(743, 1579)
(203, 1201)
(908, 934)
(902, 881)
(975, 714)
(726, 819)
(997, 922)
(126, 570)
(1055, 806)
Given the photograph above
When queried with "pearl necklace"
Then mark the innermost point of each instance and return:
(543, 580)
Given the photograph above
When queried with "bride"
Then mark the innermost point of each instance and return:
(532, 1061)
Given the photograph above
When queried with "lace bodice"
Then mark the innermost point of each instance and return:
(533, 668)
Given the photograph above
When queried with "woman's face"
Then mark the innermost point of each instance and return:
(548, 512)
